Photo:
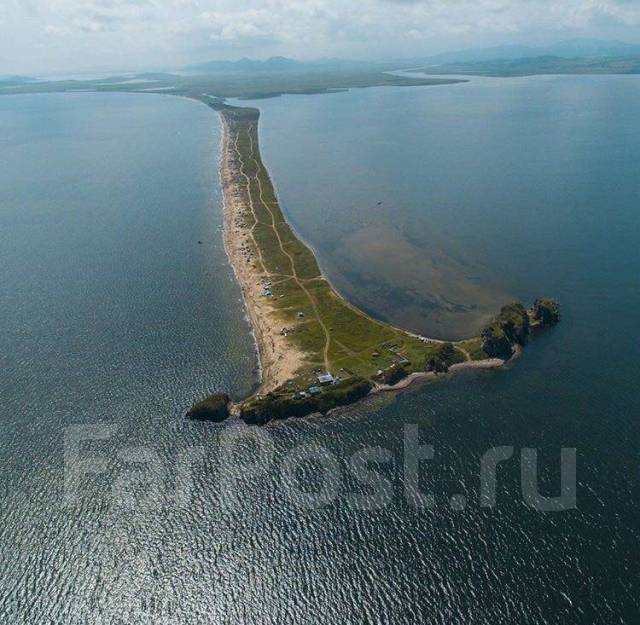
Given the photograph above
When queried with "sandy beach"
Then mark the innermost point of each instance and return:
(279, 359)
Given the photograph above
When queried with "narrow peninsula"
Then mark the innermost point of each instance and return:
(317, 351)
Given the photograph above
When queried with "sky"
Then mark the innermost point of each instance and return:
(39, 37)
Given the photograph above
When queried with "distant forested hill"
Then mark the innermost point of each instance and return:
(540, 65)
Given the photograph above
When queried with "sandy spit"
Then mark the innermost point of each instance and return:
(279, 359)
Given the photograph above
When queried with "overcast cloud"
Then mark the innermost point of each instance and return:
(40, 36)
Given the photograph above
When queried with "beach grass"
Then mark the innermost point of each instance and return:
(474, 348)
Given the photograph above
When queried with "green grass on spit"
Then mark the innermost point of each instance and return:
(334, 335)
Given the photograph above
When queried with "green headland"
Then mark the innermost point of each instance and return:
(343, 353)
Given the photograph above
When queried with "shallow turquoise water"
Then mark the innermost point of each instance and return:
(112, 313)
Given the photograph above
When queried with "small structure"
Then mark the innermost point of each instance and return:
(325, 379)
(300, 315)
(315, 390)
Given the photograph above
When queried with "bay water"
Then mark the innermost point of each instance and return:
(429, 207)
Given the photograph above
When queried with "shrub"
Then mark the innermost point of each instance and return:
(393, 375)
(281, 405)
(445, 356)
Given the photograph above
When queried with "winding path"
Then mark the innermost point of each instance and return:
(294, 274)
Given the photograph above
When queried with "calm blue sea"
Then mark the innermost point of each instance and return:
(428, 207)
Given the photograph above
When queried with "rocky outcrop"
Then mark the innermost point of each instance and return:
(546, 311)
(213, 408)
(510, 328)
(495, 343)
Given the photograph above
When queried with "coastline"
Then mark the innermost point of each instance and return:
(278, 360)
(487, 364)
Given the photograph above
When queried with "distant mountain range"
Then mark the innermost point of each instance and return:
(573, 48)
(273, 64)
